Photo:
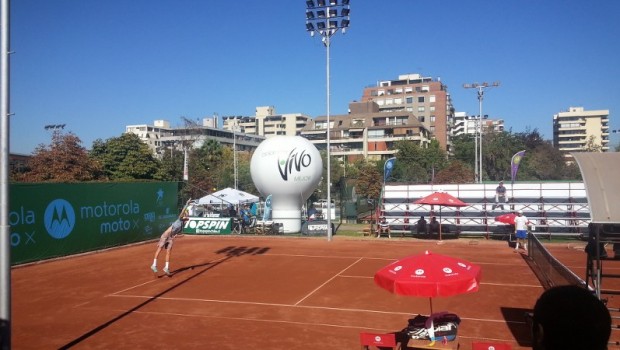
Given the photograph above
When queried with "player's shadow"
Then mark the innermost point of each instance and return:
(229, 252)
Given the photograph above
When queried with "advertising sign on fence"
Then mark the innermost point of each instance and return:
(202, 226)
(52, 220)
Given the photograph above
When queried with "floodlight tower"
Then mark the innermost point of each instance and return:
(478, 133)
(327, 17)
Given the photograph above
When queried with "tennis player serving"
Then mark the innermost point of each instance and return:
(167, 239)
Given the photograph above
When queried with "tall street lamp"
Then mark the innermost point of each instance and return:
(234, 128)
(327, 17)
(480, 88)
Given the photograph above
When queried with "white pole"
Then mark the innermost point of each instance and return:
(235, 154)
(480, 97)
(329, 167)
(5, 227)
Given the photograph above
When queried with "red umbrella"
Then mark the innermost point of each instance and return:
(443, 199)
(506, 218)
(429, 275)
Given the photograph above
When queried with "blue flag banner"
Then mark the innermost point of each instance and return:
(514, 164)
(267, 212)
(387, 168)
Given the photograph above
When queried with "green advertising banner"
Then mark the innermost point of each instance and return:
(202, 226)
(51, 220)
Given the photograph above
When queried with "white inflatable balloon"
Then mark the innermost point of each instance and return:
(289, 168)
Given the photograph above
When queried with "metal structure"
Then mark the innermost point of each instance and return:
(327, 18)
(5, 227)
(478, 129)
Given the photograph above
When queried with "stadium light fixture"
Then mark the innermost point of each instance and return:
(323, 16)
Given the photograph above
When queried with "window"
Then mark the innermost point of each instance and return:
(389, 102)
(380, 102)
(432, 109)
(409, 109)
(431, 98)
(376, 133)
(432, 119)
(408, 90)
(381, 92)
(421, 119)
(421, 99)
(421, 109)
(409, 100)
(398, 101)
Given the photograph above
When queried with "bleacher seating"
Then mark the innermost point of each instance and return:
(555, 208)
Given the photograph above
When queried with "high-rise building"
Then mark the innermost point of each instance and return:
(267, 123)
(466, 124)
(578, 130)
(366, 132)
(426, 98)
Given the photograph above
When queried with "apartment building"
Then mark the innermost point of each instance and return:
(466, 124)
(266, 122)
(426, 98)
(161, 137)
(366, 132)
(573, 129)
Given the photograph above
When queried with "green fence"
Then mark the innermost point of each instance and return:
(52, 220)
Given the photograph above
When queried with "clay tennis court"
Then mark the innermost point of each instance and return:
(256, 292)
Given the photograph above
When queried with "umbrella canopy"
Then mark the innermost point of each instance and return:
(229, 196)
(443, 199)
(506, 218)
(429, 275)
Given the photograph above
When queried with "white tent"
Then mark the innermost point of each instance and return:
(228, 196)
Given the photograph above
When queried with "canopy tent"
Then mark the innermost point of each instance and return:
(228, 196)
(600, 176)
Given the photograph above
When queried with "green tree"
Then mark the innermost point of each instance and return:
(64, 160)
(456, 172)
(125, 158)
(416, 164)
(369, 182)
(206, 170)
(497, 151)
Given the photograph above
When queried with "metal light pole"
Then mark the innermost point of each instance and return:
(480, 88)
(5, 226)
(234, 128)
(326, 18)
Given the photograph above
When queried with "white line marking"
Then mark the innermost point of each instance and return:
(329, 280)
(300, 307)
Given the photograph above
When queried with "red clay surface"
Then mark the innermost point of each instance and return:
(249, 292)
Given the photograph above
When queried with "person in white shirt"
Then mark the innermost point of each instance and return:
(521, 223)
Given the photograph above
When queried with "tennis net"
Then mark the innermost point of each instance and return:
(550, 270)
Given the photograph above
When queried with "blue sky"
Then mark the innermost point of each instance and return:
(98, 65)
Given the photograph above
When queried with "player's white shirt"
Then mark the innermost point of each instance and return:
(521, 222)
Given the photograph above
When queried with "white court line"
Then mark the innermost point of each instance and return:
(300, 307)
(154, 280)
(326, 282)
(487, 283)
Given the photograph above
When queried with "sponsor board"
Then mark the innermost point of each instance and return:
(206, 226)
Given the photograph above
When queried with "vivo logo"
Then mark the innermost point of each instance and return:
(294, 161)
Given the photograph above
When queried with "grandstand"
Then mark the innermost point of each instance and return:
(555, 208)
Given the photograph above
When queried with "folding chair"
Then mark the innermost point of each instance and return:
(485, 345)
(378, 339)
